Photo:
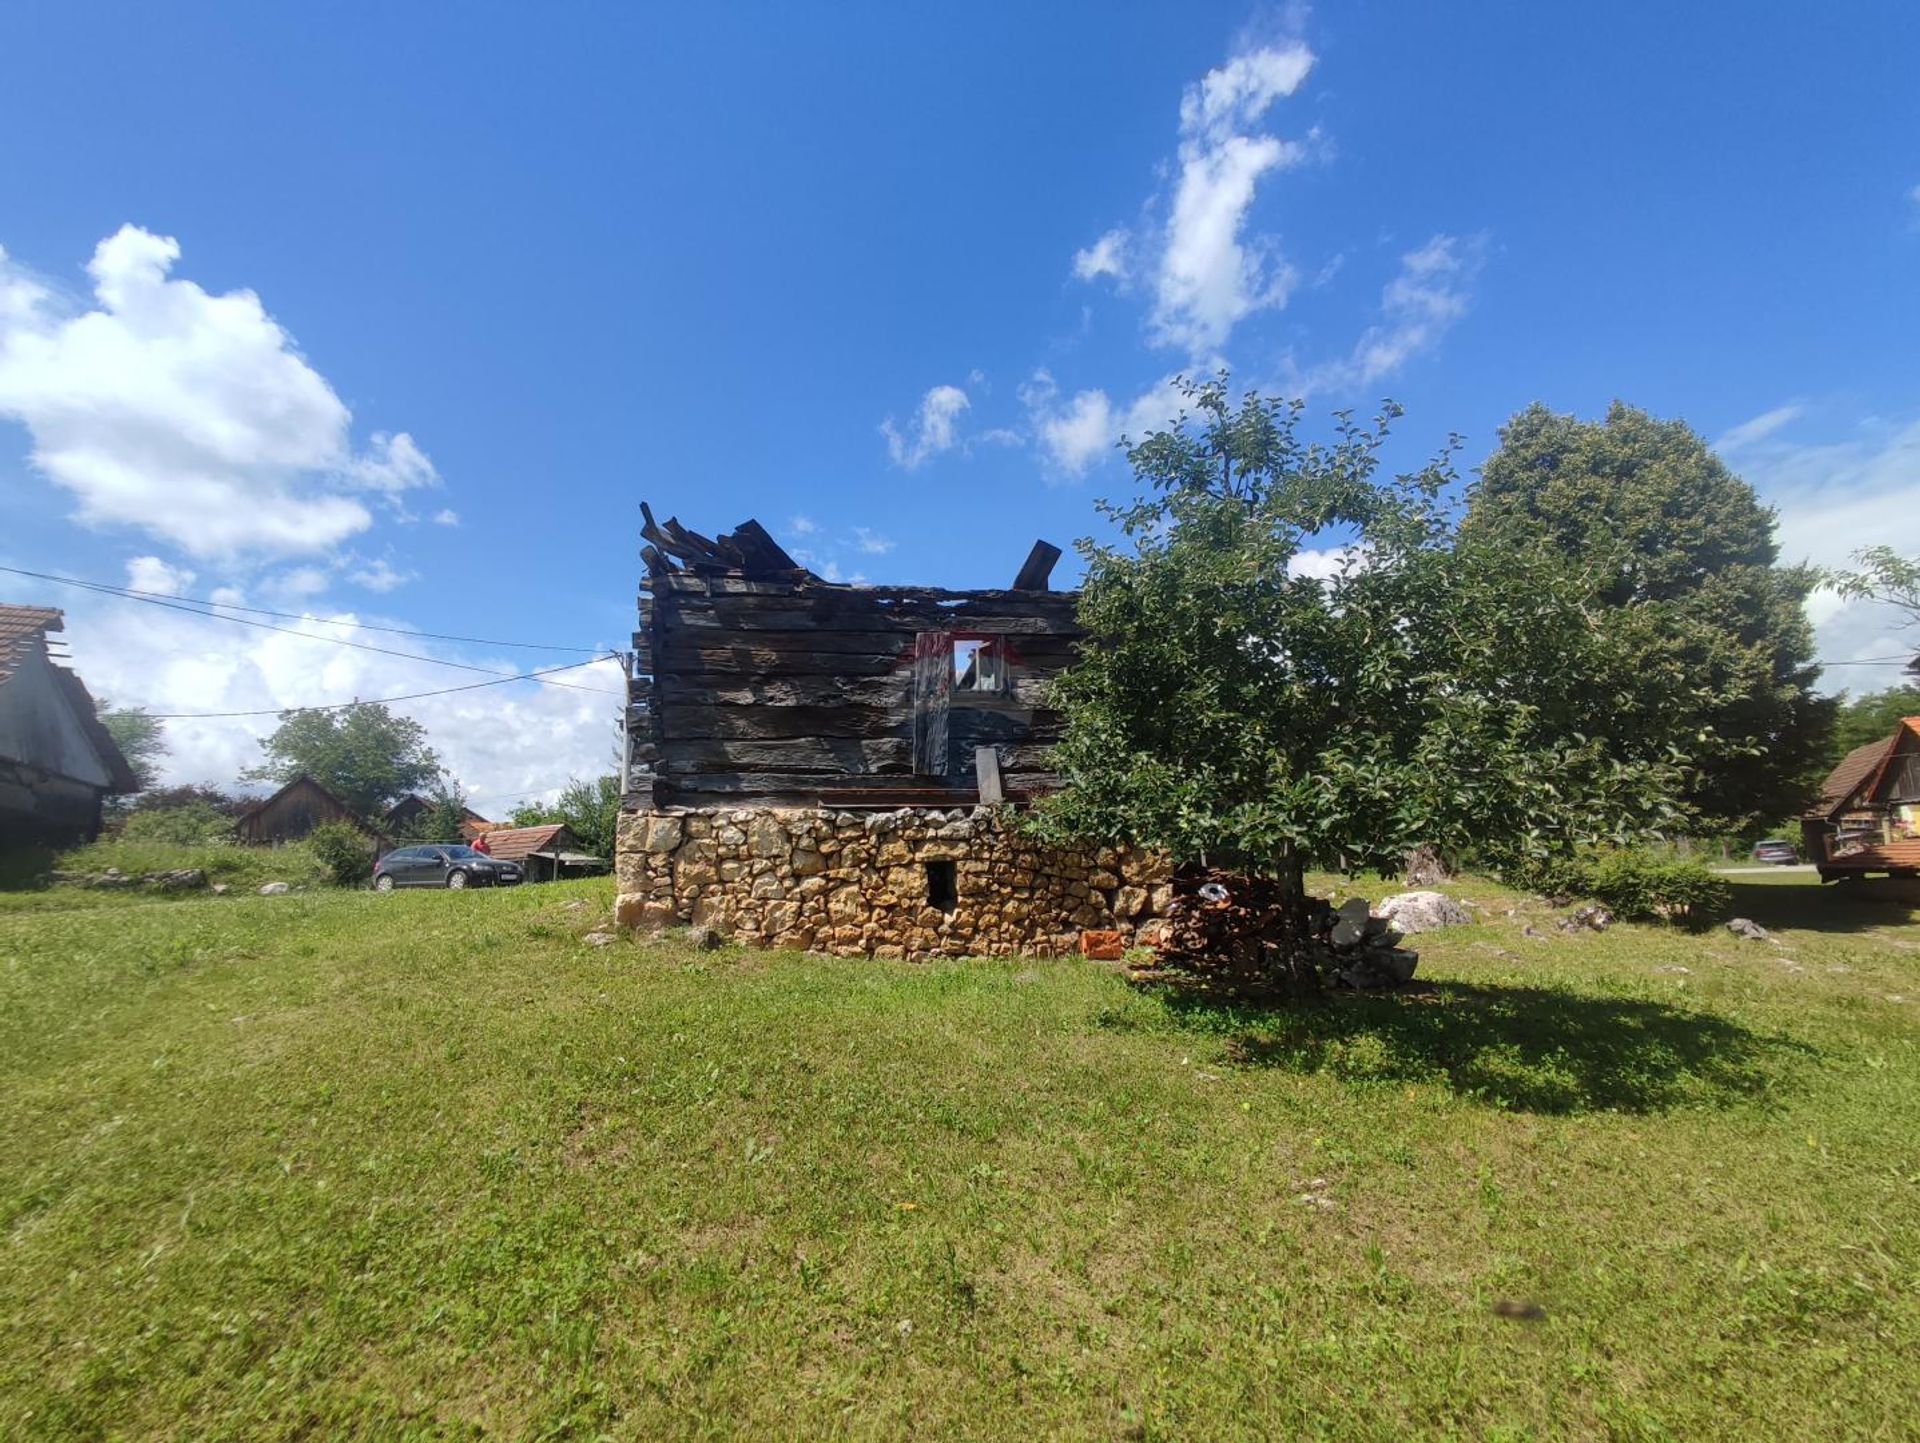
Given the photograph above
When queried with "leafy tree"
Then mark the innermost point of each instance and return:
(140, 737)
(591, 810)
(1675, 536)
(440, 822)
(1872, 718)
(1236, 710)
(362, 753)
(162, 799)
(1886, 576)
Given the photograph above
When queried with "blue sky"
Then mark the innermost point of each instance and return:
(420, 302)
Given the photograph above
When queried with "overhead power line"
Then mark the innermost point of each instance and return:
(173, 604)
(539, 676)
(133, 593)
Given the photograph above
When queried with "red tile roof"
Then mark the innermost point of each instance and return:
(19, 625)
(515, 844)
(1857, 768)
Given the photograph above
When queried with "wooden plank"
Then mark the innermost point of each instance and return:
(834, 756)
(932, 689)
(986, 773)
(824, 690)
(742, 661)
(1037, 568)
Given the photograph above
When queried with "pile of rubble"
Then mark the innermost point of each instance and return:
(1238, 938)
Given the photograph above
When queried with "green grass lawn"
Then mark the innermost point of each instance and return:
(429, 1166)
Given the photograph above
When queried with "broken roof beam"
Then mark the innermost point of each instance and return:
(1038, 569)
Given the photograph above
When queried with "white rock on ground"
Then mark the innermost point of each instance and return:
(274, 889)
(1423, 912)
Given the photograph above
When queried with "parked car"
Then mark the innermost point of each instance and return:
(1777, 850)
(443, 865)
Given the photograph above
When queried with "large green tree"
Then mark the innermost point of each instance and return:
(362, 753)
(1677, 538)
(1236, 708)
(1872, 718)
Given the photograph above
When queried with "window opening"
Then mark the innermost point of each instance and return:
(979, 664)
(943, 885)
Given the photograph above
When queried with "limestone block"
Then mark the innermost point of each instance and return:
(662, 833)
(641, 914)
(808, 863)
(1130, 901)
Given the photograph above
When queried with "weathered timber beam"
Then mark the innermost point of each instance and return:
(1038, 567)
(834, 756)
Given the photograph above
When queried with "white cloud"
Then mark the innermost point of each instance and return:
(150, 573)
(1209, 278)
(186, 414)
(1105, 257)
(379, 575)
(802, 525)
(301, 583)
(169, 661)
(1430, 292)
(1079, 432)
(446, 516)
(932, 432)
(1326, 563)
(1833, 499)
(394, 464)
(871, 542)
(1759, 428)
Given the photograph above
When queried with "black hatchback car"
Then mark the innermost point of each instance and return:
(443, 865)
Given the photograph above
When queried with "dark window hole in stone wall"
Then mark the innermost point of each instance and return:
(943, 885)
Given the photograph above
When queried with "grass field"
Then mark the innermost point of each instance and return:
(429, 1166)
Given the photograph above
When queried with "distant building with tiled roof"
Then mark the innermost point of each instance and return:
(58, 763)
(547, 852)
(1867, 819)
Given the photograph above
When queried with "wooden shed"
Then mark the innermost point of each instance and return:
(761, 684)
(295, 810)
(1867, 820)
(547, 852)
(57, 761)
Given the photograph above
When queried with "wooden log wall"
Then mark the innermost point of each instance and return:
(803, 692)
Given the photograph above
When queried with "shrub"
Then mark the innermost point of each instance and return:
(1641, 884)
(191, 824)
(344, 850)
(1636, 884)
(241, 868)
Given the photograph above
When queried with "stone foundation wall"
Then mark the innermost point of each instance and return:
(867, 884)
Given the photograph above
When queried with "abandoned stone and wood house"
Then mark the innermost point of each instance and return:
(58, 764)
(824, 766)
(1867, 820)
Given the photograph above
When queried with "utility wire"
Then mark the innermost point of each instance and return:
(134, 594)
(153, 599)
(385, 700)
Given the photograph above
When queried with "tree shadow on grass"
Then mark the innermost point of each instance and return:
(1841, 907)
(1529, 1049)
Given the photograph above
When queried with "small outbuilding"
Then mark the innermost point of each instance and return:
(294, 811)
(58, 763)
(548, 853)
(1867, 820)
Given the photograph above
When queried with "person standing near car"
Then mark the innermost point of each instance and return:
(481, 845)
